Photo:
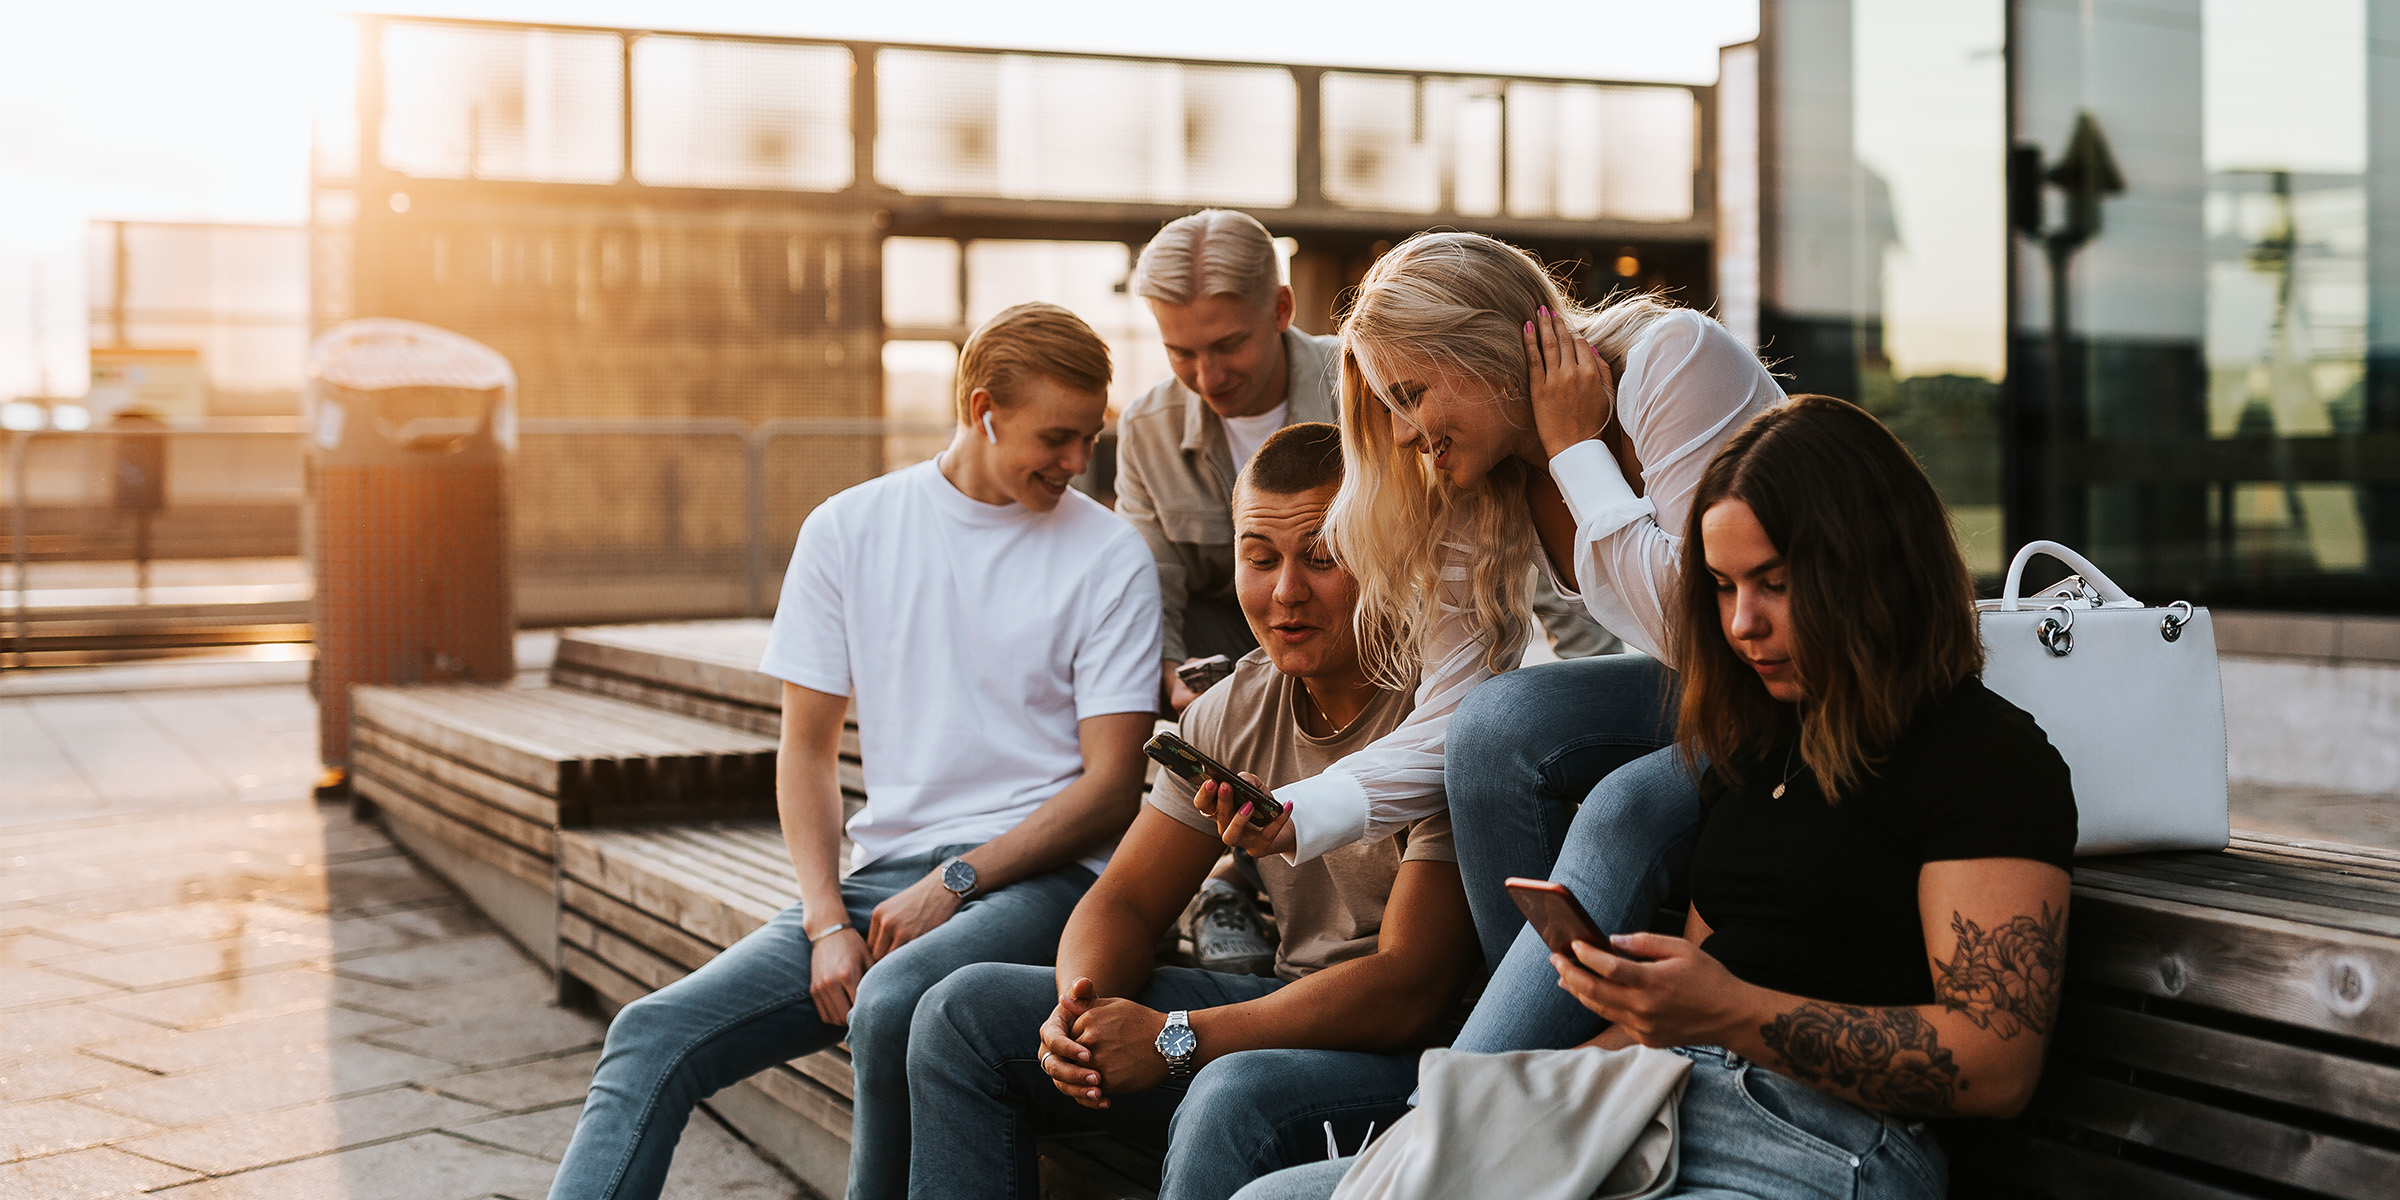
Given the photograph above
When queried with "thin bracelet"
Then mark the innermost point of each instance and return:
(827, 932)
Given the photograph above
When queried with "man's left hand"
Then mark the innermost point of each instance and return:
(911, 913)
(1123, 1039)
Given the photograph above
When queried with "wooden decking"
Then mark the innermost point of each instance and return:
(2232, 1027)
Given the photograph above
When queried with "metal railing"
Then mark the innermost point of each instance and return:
(594, 502)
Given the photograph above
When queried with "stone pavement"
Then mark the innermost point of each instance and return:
(213, 987)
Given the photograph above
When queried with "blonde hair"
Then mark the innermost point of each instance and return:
(1454, 304)
(1213, 252)
(1030, 339)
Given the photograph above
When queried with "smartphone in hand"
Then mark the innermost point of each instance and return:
(1555, 913)
(1177, 755)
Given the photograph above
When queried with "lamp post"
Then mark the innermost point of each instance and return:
(2084, 173)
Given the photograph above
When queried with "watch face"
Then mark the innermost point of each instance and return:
(959, 877)
(1177, 1041)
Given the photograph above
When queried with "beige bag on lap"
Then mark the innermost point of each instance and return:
(1584, 1124)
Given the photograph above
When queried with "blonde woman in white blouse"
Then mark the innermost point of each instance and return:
(1491, 427)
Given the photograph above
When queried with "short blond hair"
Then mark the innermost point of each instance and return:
(1030, 339)
(1213, 252)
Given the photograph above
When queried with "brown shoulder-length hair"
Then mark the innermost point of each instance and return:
(1882, 609)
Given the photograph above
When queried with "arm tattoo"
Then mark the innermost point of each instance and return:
(1890, 1058)
(2005, 980)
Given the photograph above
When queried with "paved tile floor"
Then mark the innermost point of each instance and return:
(213, 987)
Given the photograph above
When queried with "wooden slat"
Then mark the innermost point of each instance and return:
(812, 1100)
(535, 766)
(399, 806)
(540, 840)
(713, 659)
(614, 986)
(704, 868)
(2306, 1078)
(688, 903)
(652, 934)
(490, 789)
(2337, 980)
(739, 716)
(2232, 877)
(2000, 1155)
(2230, 901)
(2252, 1145)
(621, 954)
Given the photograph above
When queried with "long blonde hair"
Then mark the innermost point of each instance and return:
(1454, 303)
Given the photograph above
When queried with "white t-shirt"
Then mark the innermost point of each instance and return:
(1244, 435)
(974, 637)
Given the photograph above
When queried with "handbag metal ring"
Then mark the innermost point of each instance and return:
(2057, 634)
(2170, 626)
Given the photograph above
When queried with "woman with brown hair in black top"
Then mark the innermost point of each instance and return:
(1879, 887)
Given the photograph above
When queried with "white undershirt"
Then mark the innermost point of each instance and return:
(1244, 435)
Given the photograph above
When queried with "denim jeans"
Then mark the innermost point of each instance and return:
(749, 1009)
(1615, 859)
(976, 1084)
(1748, 1134)
(1525, 749)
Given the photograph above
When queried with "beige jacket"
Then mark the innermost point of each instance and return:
(1175, 476)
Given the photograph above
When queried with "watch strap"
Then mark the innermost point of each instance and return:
(1179, 1066)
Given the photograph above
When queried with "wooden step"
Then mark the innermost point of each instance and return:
(642, 907)
(703, 669)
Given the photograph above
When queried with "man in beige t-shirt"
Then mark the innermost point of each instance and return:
(1231, 1075)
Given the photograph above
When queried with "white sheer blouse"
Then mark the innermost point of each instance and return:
(1687, 386)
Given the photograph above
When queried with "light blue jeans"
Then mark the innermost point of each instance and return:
(976, 1086)
(749, 1009)
(1526, 751)
(1748, 1134)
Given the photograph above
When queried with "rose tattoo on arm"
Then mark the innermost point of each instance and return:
(1890, 1058)
(2005, 980)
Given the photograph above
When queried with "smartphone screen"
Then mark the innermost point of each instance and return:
(1555, 914)
(1192, 767)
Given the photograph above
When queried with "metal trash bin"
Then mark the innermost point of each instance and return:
(411, 429)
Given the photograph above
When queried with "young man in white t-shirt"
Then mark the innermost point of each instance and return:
(999, 635)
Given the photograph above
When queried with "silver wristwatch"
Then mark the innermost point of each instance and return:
(959, 876)
(1177, 1044)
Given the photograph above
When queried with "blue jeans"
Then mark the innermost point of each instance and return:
(749, 1009)
(976, 1084)
(1525, 749)
(1749, 1134)
(1615, 858)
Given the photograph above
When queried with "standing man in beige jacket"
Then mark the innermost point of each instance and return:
(1241, 373)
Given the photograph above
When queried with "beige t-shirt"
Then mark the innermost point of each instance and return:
(1330, 908)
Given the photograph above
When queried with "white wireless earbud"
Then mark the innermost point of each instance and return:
(989, 434)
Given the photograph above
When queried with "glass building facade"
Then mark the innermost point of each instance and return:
(2124, 273)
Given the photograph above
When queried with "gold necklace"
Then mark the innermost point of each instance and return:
(1788, 772)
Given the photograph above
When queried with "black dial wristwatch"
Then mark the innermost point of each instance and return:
(959, 876)
(1177, 1044)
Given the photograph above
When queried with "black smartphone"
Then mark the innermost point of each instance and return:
(1556, 915)
(1205, 673)
(1177, 755)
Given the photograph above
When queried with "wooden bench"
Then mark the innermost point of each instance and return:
(705, 669)
(2232, 1029)
(643, 907)
(476, 781)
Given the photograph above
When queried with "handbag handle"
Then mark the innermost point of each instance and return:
(2109, 591)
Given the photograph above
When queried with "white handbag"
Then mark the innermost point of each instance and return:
(2129, 695)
